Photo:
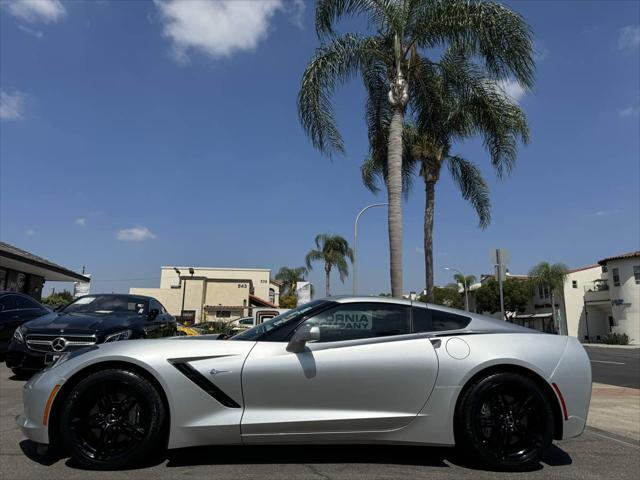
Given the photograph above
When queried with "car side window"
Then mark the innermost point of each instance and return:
(23, 303)
(155, 305)
(7, 303)
(352, 321)
(431, 320)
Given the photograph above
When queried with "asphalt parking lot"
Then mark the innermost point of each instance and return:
(615, 366)
(596, 454)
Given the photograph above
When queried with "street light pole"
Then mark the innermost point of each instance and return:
(464, 284)
(355, 241)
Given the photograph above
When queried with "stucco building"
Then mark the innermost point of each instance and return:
(202, 294)
(596, 300)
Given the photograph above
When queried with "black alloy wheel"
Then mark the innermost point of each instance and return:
(111, 419)
(505, 421)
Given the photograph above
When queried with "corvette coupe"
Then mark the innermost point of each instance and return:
(342, 370)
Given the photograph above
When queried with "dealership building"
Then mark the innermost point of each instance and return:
(24, 272)
(209, 294)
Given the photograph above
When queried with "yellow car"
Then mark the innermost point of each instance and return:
(183, 330)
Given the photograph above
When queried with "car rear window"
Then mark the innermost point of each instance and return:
(431, 320)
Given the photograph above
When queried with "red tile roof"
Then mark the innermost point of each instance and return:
(620, 257)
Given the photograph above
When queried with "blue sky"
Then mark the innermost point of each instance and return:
(141, 134)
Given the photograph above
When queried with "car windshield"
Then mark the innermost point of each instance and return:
(108, 304)
(276, 322)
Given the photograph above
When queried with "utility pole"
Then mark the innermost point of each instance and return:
(500, 272)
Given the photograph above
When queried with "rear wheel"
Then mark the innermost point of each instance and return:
(505, 421)
(111, 419)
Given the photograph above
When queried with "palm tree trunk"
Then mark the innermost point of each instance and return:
(429, 211)
(394, 189)
(327, 280)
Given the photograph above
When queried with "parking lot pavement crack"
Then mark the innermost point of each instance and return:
(317, 471)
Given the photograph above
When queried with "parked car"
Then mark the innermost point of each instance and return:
(343, 370)
(16, 309)
(87, 321)
(185, 331)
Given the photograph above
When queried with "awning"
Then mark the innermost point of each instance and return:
(258, 302)
(533, 316)
(22, 261)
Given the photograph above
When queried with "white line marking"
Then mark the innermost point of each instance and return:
(604, 361)
(614, 439)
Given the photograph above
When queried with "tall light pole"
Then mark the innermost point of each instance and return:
(355, 241)
(464, 284)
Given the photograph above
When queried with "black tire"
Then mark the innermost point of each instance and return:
(504, 421)
(112, 419)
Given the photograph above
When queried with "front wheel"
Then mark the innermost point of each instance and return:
(112, 419)
(505, 421)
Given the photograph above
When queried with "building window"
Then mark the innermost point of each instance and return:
(223, 313)
(574, 283)
(616, 277)
(540, 294)
(636, 274)
(604, 269)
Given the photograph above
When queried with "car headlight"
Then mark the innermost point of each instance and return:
(19, 333)
(116, 337)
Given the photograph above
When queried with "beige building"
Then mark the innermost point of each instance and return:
(213, 294)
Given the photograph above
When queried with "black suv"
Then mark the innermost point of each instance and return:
(87, 321)
(15, 309)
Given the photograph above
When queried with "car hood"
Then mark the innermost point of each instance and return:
(82, 321)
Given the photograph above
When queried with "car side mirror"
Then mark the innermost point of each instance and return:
(153, 313)
(301, 337)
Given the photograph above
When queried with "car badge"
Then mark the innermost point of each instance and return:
(59, 344)
(215, 372)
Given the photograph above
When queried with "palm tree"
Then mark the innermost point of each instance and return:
(334, 251)
(455, 100)
(551, 276)
(290, 277)
(402, 31)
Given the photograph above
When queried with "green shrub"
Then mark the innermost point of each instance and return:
(215, 327)
(617, 339)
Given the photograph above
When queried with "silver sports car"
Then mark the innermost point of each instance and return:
(357, 370)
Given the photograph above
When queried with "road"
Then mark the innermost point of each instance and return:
(595, 454)
(615, 366)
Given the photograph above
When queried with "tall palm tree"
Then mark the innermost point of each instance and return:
(334, 251)
(454, 100)
(551, 276)
(402, 31)
(290, 277)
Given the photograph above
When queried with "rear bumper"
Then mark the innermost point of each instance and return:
(572, 377)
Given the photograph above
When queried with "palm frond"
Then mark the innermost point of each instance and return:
(384, 14)
(472, 186)
(331, 65)
(498, 35)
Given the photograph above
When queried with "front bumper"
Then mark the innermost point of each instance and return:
(20, 357)
(35, 395)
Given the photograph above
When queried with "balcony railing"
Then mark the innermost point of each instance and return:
(598, 286)
(597, 292)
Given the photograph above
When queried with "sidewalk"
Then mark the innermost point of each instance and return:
(616, 410)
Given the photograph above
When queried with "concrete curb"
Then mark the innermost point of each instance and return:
(604, 345)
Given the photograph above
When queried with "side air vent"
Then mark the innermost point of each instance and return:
(206, 385)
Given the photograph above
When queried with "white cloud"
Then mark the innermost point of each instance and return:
(13, 105)
(135, 234)
(30, 232)
(81, 222)
(630, 111)
(36, 10)
(216, 28)
(512, 89)
(629, 37)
